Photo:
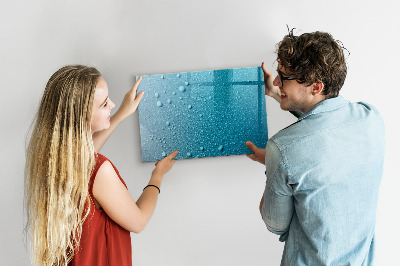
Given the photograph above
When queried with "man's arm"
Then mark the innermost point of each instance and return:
(276, 205)
(128, 107)
(258, 155)
(261, 203)
(274, 91)
(270, 89)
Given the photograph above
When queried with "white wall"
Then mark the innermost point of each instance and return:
(208, 208)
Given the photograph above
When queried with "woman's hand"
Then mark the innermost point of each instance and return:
(131, 101)
(270, 89)
(164, 165)
(128, 107)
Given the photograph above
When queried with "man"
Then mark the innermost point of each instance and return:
(323, 171)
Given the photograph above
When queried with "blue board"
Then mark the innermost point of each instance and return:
(202, 114)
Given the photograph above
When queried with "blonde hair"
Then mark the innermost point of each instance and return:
(59, 161)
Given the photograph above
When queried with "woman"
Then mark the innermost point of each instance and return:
(78, 207)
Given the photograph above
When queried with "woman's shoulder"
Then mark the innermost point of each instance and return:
(105, 167)
(100, 158)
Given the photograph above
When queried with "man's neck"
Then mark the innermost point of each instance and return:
(316, 100)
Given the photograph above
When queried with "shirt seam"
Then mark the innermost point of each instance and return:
(314, 133)
(326, 109)
(285, 164)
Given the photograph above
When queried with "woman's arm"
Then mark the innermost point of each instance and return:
(128, 107)
(116, 201)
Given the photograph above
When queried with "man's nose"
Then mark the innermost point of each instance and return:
(277, 81)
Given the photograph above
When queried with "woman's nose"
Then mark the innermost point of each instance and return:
(112, 105)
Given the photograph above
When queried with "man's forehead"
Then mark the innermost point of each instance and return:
(283, 70)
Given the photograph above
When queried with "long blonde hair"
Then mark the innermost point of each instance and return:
(59, 161)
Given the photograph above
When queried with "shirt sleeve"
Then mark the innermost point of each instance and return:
(277, 209)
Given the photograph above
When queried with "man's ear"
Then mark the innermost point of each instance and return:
(317, 88)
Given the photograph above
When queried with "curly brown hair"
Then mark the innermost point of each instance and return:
(314, 57)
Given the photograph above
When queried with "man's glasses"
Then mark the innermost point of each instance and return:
(282, 78)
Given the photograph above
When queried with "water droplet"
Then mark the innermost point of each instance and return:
(167, 123)
(168, 100)
(180, 98)
(189, 106)
(189, 154)
(186, 83)
(202, 148)
(209, 97)
(177, 75)
(159, 104)
(220, 148)
(162, 76)
(163, 154)
(182, 89)
(156, 94)
(173, 93)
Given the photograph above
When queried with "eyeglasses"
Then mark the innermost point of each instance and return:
(282, 78)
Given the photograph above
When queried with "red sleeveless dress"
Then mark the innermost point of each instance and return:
(103, 241)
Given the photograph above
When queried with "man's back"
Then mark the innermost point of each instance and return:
(329, 165)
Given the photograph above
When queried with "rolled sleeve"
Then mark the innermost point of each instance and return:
(277, 209)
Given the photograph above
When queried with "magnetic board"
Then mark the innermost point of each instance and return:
(202, 114)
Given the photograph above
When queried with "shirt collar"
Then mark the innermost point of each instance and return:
(325, 106)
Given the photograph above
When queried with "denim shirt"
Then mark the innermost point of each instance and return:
(323, 176)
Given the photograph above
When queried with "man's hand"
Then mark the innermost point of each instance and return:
(258, 155)
(270, 89)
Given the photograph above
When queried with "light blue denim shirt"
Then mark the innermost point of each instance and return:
(323, 176)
